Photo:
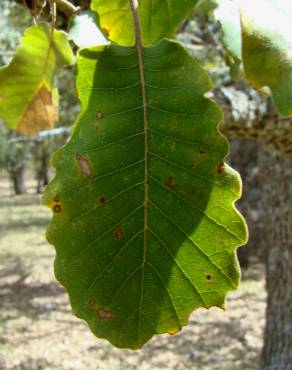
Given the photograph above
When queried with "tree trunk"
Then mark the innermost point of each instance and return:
(46, 160)
(249, 116)
(42, 174)
(17, 177)
(277, 202)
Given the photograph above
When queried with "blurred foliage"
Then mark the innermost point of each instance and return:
(14, 19)
(16, 151)
(201, 35)
(13, 154)
(69, 104)
(205, 8)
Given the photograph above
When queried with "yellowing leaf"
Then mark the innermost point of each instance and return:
(28, 96)
(159, 18)
(41, 113)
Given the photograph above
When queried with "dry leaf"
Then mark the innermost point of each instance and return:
(41, 113)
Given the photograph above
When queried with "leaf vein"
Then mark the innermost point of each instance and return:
(192, 241)
(172, 191)
(113, 259)
(99, 237)
(134, 164)
(98, 148)
(181, 141)
(179, 267)
(166, 289)
(97, 206)
(124, 283)
(111, 88)
(192, 173)
(173, 113)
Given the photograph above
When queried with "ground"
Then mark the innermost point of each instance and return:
(39, 332)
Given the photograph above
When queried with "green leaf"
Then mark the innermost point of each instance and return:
(144, 222)
(267, 48)
(257, 32)
(84, 30)
(28, 96)
(227, 13)
(159, 19)
(205, 8)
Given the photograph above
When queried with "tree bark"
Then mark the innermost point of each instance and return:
(277, 203)
(42, 173)
(18, 180)
(250, 116)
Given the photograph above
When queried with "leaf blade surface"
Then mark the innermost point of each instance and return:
(130, 280)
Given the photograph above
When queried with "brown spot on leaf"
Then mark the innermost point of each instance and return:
(92, 302)
(209, 277)
(202, 151)
(170, 182)
(173, 125)
(40, 114)
(99, 114)
(106, 31)
(84, 165)
(57, 208)
(193, 165)
(103, 200)
(104, 314)
(118, 233)
(57, 199)
(220, 168)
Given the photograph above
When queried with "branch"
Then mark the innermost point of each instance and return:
(66, 7)
(251, 116)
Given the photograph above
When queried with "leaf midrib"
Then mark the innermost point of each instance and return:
(139, 48)
(42, 73)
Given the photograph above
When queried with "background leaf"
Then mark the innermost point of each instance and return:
(144, 224)
(228, 14)
(159, 19)
(258, 33)
(267, 48)
(28, 96)
(84, 30)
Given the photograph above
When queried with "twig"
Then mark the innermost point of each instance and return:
(53, 16)
(68, 8)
